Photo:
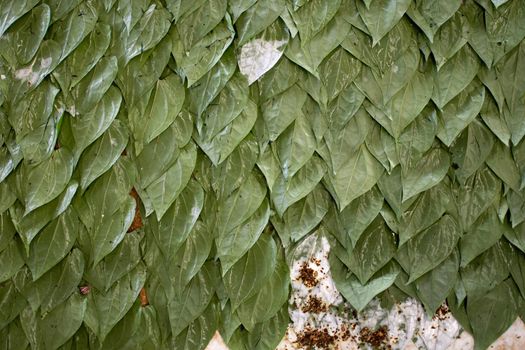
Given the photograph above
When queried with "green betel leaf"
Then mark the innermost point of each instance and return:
(426, 209)
(199, 332)
(105, 310)
(29, 225)
(491, 314)
(69, 31)
(278, 79)
(256, 18)
(434, 286)
(124, 332)
(511, 69)
(348, 225)
(374, 249)
(53, 243)
(163, 191)
(26, 35)
(454, 76)
(144, 71)
(486, 271)
(149, 30)
(202, 93)
(251, 272)
(471, 149)
(309, 55)
(348, 128)
(484, 233)
(236, 8)
(338, 71)
(269, 299)
(232, 173)
(503, 38)
(429, 16)
(91, 89)
(478, 38)
(60, 9)
(12, 303)
(233, 244)
(223, 144)
(356, 293)
(27, 78)
(270, 333)
(381, 16)
(191, 301)
(8, 230)
(201, 18)
(409, 102)
(45, 181)
(196, 62)
(102, 154)
(502, 163)
(115, 265)
(14, 259)
(279, 112)
(36, 132)
(460, 112)
(56, 285)
(88, 127)
(240, 205)
(516, 204)
(516, 262)
(478, 194)
(7, 197)
(107, 209)
(152, 162)
(295, 146)
(190, 258)
(302, 217)
(10, 11)
(450, 38)
(286, 192)
(164, 105)
(78, 64)
(313, 17)
(417, 138)
(227, 106)
(390, 189)
(56, 327)
(163, 163)
(425, 173)
(355, 177)
(13, 336)
(430, 248)
(518, 153)
(171, 231)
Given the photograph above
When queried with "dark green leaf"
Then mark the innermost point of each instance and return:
(53, 243)
(269, 299)
(430, 248)
(491, 314)
(372, 251)
(105, 310)
(251, 272)
(190, 302)
(434, 286)
(356, 293)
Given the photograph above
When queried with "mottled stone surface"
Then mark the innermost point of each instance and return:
(259, 56)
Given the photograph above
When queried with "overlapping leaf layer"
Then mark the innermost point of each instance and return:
(151, 189)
